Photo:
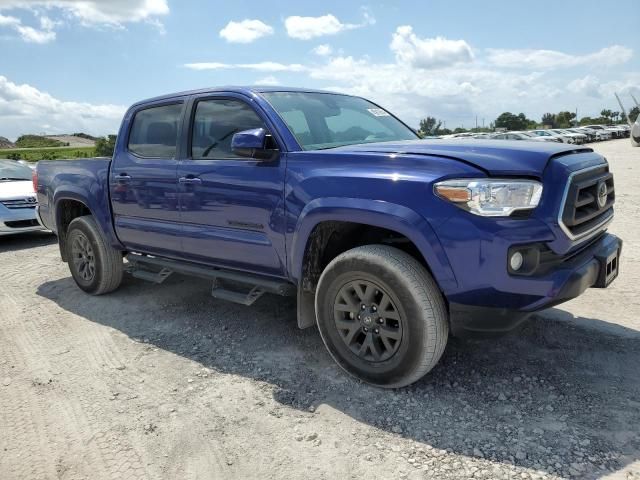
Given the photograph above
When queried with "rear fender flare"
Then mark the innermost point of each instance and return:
(101, 213)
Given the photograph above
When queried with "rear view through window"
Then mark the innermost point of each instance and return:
(154, 132)
(320, 120)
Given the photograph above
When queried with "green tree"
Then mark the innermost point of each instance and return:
(511, 121)
(549, 119)
(606, 114)
(105, 146)
(564, 119)
(429, 126)
(13, 156)
(633, 113)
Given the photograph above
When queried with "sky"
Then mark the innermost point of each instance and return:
(69, 66)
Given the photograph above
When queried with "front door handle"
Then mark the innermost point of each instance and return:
(190, 180)
(123, 178)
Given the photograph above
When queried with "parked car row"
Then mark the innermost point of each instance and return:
(577, 135)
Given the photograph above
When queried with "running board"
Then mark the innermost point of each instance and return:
(139, 266)
(153, 277)
(243, 298)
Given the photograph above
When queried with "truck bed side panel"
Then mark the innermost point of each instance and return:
(83, 180)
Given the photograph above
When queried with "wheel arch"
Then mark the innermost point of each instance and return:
(73, 203)
(385, 217)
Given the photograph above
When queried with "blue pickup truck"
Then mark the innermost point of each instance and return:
(390, 242)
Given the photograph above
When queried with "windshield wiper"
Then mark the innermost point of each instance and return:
(14, 178)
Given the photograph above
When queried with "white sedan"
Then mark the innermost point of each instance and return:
(523, 136)
(17, 199)
(548, 133)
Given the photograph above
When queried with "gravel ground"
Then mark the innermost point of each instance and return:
(167, 382)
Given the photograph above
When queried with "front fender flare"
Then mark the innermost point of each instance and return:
(376, 213)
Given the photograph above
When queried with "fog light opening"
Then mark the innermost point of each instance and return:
(516, 261)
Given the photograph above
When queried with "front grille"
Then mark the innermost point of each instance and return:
(28, 202)
(588, 202)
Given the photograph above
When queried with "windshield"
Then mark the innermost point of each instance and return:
(12, 170)
(322, 120)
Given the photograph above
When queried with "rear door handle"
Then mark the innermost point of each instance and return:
(190, 180)
(123, 178)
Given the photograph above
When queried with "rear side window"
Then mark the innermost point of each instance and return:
(154, 132)
(214, 124)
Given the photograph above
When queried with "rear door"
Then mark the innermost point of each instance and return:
(231, 207)
(144, 183)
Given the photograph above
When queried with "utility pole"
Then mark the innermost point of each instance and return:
(476, 122)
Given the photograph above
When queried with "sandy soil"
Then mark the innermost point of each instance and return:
(167, 382)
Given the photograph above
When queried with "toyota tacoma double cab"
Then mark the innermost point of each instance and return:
(390, 242)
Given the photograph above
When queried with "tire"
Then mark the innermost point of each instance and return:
(95, 265)
(412, 318)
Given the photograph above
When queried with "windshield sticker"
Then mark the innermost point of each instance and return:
(378, 112)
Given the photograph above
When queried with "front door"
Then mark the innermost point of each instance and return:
(231, 207)
(144, 182)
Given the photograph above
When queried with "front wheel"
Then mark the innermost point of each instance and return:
(95, 265)
(381, 315)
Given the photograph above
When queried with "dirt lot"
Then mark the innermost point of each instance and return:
(166, 382)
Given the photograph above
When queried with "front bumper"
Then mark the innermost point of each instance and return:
(594, 267)
(19, 221)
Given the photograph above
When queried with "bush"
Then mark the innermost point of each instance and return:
(105, 146)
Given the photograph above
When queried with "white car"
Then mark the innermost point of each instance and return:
(590, 134)
(549, 133)
(17, 199)
(606, 134)
(618, 131)
(578, 138)
(522, 136)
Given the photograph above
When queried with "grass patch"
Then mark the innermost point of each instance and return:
(36, 154)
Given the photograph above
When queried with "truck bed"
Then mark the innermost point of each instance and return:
(86, 178)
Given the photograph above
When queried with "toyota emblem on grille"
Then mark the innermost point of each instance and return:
(602, 194)
(31, 199)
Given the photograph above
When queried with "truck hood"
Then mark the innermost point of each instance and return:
(15, 189)
(495, 157)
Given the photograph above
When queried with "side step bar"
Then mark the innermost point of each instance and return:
(156, 270)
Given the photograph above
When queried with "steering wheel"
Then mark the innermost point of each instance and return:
(215, 144)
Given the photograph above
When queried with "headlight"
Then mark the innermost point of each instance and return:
(489, 197)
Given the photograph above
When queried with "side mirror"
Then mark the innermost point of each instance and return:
(255, 143)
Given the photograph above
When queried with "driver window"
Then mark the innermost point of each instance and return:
(215, 123)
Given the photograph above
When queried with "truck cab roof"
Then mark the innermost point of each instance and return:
(248, 91)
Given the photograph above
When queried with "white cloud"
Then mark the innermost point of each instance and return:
(549, 59)
(269, 80)
(323, 50)
(306, 28)
(245, 31)
(260, 67)
(25, 109)
(466, 84)
(30, 34)
(588, 85)
(112, 13)
(428, 52)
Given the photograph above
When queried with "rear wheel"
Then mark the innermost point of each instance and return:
(381, 315)
(95, 265)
